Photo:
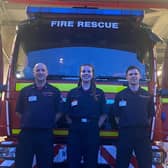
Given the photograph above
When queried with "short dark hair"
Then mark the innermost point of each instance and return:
(132, 67)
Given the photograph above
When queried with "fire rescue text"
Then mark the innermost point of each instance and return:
(84, 24)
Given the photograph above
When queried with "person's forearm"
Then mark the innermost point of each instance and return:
(18, 114)
(102, 119)
(58, 116)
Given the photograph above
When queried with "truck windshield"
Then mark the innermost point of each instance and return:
(110, 47)
(67, 60)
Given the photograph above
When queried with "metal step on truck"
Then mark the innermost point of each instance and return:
(65, 38)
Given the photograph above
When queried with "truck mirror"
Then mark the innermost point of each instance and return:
(3, 87)
(162, 92)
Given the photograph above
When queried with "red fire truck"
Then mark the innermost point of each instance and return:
(65, 38)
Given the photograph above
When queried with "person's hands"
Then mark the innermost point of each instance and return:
(101, 120)
(68, 119)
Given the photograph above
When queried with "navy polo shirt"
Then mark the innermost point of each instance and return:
(134, 108)
(38, 107)
(87, 104)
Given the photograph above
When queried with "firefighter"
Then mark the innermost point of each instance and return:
(134, 109)
(86, 110)
(37, 106)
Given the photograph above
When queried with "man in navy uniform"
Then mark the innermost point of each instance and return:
(37, 106)
(134, 109)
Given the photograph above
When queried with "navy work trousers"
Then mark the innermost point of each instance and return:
(134, 139)
(83, 143)
(37, 142)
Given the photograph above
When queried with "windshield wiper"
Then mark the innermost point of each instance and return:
(119, 79)
(111, 78)
(65, 77)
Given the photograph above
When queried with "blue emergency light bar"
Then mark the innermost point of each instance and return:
(53, 10)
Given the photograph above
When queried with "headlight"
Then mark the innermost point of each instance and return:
(7, 152)
(7, 156)
(158, 156)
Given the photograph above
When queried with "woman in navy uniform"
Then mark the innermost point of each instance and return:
(134, 109)
(38, 106)
(86, 110)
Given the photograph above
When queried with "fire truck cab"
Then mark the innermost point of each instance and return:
(65, 38)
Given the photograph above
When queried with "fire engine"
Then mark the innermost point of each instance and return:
(65, 38)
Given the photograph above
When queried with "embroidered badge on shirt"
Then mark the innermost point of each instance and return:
(32, 98)
(122, 103)
(74, 103)
(48, 93)
(144, 96)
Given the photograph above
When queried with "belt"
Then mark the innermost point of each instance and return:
(84, 120)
